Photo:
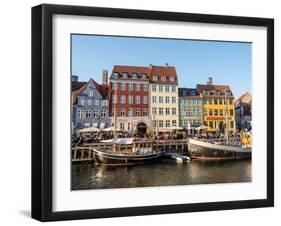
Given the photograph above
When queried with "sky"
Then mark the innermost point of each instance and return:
(229, 63)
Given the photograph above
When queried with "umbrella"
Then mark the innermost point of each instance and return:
(110, 129)
(89, 129)
(202, 127)
(176, 128)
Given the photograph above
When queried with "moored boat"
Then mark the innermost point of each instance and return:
(199, 149)
(111, 157)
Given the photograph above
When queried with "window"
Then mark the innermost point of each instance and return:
(216, 112)
(138, 100)
(210, 112)
(231, 112)
(192, 93)
(190, 112)
(173, 89)
(130, 112)
(90, 101)
(130, 99)
(167, 88)
(231, 124)
(97, 102)
(228, 93)
(115, 75)
(154, 111)
(154, 88)
(155, 123)
(123, 86)
(168, 123)
(220, 101)
(167, 111)
(145, 112)
(160, 111)
(145, 100)
(138, 87)
(174, 111)
(134, 76)
(154, 99)
(160, 100)
(115, 86)
(137, 112)
(206, 92)
(80, 114)
(82, 102)
(230, 101)
(145, 88)
(205, 112)
(221, 112)
(143, 76)
(160, 88)
(154, 77)
(114, 99)
(122, 126)
(211, 124)
(88, 114)
(184, 92)
(122, 112)
(160, 123)
(123, 99)
(174, 122)
(96, 114)
(129, 126)
(163, 78)
(172, 79)
(103, 114)
(131, 86)
(218, 93)
(113, 112)
(91, 93)
(104, 103)
(215, 101)
(124, 75)
(167, 100)
(209, 101)
(174, 100)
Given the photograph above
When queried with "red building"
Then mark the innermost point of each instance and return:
(129, 98)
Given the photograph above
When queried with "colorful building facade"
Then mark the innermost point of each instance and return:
(163, 87)
(190, 108)
(129, 96)
(243, 111)
(218, 106)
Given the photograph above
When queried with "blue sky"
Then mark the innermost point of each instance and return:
(227, 62)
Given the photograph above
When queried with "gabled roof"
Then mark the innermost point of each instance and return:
(245, 98)
(222, 88)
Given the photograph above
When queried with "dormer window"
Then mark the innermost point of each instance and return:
(218, 93)
(134, 76)
(206, 92)
(124, 75)
(172, 79)
(192, 92)
(154, 77)
(228, 93)
(163, 78)
(143, 76)
(115, 75)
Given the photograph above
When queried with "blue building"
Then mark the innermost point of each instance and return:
(90, 104)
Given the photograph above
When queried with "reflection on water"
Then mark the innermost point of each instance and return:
(89, 176)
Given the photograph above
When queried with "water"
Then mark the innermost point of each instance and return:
(89, 176)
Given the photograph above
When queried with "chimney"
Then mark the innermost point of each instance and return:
(150, 66)
(104, 77)
(210, 81)
(167, 65)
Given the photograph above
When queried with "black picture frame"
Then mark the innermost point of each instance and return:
(42, 111)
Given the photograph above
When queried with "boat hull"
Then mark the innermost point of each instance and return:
(103, 158)
(203, 150)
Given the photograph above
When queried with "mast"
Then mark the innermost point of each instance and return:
(115, 111)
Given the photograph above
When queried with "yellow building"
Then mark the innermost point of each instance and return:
(218, 106)
(163, 89)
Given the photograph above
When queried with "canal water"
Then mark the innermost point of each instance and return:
(90, 176)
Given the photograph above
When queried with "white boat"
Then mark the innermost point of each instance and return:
(180, 158)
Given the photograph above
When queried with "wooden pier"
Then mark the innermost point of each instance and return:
(85, 153)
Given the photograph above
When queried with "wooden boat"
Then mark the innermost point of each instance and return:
(180, 158)
(199, 149)
(111, 157)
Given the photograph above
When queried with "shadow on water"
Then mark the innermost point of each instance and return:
(165, 173)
